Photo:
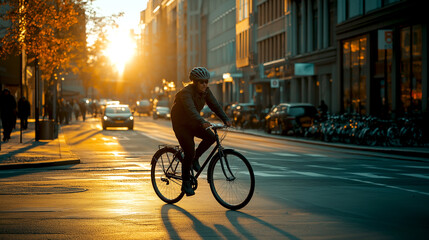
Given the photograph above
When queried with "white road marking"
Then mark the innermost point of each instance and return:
(382, 185)
(419, 167)
(286, 154)
(269, 174)
(416, 175)
(381, 168)
(269, 166)
(163, 140)
(315, 155)
(371, 175)
(324, 167)
(310, 174)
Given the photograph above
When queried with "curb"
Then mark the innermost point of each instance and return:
(47, 163)
(400, 154)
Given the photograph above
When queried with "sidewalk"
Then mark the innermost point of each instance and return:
(31, 153)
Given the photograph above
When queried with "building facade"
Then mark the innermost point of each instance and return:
(382, 57)
(272, 70)
(311, 52)
(221, 49)
(358, 56)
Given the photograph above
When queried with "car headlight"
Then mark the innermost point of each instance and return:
(131, 117)
(105, 118)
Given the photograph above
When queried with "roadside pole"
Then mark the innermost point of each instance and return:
(36, 97)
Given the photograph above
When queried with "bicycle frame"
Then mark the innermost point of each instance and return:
(219, 149)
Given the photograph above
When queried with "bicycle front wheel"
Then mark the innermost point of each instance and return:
(231, 179)
(166, 175)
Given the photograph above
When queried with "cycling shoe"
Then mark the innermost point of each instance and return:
(196, 165)
(187, 188)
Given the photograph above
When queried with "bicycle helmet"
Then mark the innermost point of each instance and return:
(199, 73)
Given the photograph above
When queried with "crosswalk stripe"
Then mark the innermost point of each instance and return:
(324, 167)
(310, 174)
(286, 154)
(415, 175)
(269, 166)
(314, 155)
(418, 167)
(269, 174)
(370, 175)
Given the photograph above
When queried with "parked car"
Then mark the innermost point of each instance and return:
(206, 112)
(229, 109)
(245, 115)
(160, 109)
(117, 116)
(143, 107)
(290, 118)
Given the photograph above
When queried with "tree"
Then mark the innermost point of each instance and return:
(51, 31)
(42, 28)
(97, 66)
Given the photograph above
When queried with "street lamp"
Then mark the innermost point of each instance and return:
(227, 77)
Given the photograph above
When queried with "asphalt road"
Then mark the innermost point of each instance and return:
(302, 191)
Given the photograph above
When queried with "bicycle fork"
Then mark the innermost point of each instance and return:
(224, 161)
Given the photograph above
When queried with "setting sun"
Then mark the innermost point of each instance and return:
(120, 49)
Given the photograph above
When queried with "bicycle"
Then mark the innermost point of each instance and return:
(229, 174)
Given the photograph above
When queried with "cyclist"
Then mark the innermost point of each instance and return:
(187, 122)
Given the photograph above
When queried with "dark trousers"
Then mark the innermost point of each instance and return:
(24, 122)
(185, 135)
(8, 125)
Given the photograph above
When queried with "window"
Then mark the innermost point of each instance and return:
(354, 8)
(242, 10)
(411, 69)
(269, 11)
(315, 23)
(118, 110)
(383, 81)
(372, 5)
(271, 49)
(354, 75)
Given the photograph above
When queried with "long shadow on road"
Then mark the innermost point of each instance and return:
(19, 172)
(234, 216)
(207, 232)
(34, 144)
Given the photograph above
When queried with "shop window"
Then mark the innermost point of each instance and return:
(383, 82)
(354, 75)
(411, 69)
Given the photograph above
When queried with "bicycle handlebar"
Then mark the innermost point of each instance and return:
(217, 126)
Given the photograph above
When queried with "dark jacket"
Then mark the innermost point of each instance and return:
(188, 104)
(8, 107)
(24, 108)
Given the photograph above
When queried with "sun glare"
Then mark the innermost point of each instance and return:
(120, 49)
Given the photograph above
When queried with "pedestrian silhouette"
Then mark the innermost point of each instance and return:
(24, 110)
(323, 108)
(8, 113)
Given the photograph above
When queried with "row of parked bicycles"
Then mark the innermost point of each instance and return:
(368, 130)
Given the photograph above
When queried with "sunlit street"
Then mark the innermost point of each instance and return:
(302, 192)
(315, 111)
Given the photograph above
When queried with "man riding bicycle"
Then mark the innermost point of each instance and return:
(187, 122)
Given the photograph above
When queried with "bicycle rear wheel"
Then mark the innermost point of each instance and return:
(166, 175)
(231, 179)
